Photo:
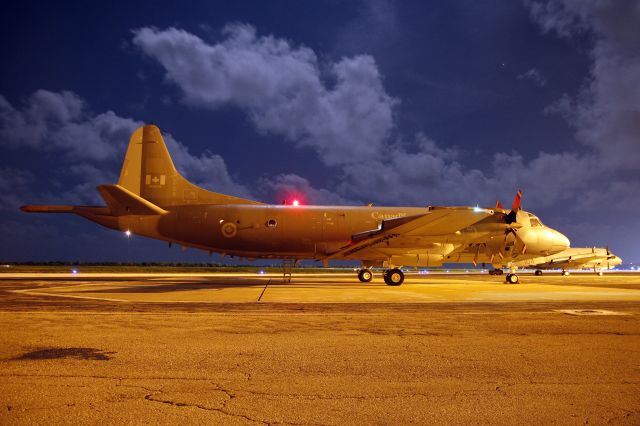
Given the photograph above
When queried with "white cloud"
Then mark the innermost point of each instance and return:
(344, 113)
(535, 76)
(89, 150)
(290, 186)
(605, 113)
(282, 89)
(59, 122)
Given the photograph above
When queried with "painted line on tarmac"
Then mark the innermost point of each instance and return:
(590, 312)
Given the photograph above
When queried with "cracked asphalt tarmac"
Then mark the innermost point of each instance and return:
(191, 350)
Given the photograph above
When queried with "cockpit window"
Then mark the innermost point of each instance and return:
(535, 221)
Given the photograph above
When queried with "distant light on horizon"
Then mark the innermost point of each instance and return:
(295, 202)
(127, 233)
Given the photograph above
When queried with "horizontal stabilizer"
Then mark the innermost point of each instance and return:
(40, 208)
(123, 202)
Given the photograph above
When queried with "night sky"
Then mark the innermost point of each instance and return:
(395, 103)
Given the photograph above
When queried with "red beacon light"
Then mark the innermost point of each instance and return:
(295, 202)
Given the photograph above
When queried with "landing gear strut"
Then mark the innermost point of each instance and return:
(393, 276)
(538, 272)
(365, 275)
(512, 277)
(565, 273)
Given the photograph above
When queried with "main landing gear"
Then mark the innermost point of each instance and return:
(538, 272)
(392, 276)
(365, 275)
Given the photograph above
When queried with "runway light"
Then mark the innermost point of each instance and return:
(74, 271)
(127, 233)
(261, 272)
(295, 203)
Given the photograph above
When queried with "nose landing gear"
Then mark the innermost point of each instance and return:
(512, 279)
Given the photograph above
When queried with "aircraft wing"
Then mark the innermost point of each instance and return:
(569, 262)
(435, 222)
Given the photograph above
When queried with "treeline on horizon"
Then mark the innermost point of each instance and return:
(172, 264)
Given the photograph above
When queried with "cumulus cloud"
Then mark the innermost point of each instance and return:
(60, 122)
(340, 110)
(207, 169)
(290, 186)
(535, 76)
(605, 113)
(89, 148)
(343, 111)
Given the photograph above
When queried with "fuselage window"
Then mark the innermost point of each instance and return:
(271, 223)
(535, 222)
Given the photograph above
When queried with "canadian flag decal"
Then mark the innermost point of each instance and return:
(155, 179)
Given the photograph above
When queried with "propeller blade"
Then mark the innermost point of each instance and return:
(513, 214)
(499, 205)
(516, 201)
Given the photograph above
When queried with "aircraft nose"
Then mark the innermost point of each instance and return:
(559, 242)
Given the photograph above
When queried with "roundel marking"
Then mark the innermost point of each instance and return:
(229, 230)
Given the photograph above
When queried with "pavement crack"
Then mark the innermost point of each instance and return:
(153, 397)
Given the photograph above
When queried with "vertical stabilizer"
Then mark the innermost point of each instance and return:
(148, 171)
(131, 167)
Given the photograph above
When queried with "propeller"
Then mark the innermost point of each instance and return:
(511, 219)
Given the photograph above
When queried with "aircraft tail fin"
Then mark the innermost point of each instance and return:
(149, 172)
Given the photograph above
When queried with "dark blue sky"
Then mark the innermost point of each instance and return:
(400, 103)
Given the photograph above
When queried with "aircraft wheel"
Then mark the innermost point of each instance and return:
(600, 273)
(538, 272)
(512, 279)
(393, 277)
(565, 273)
(365, 275)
